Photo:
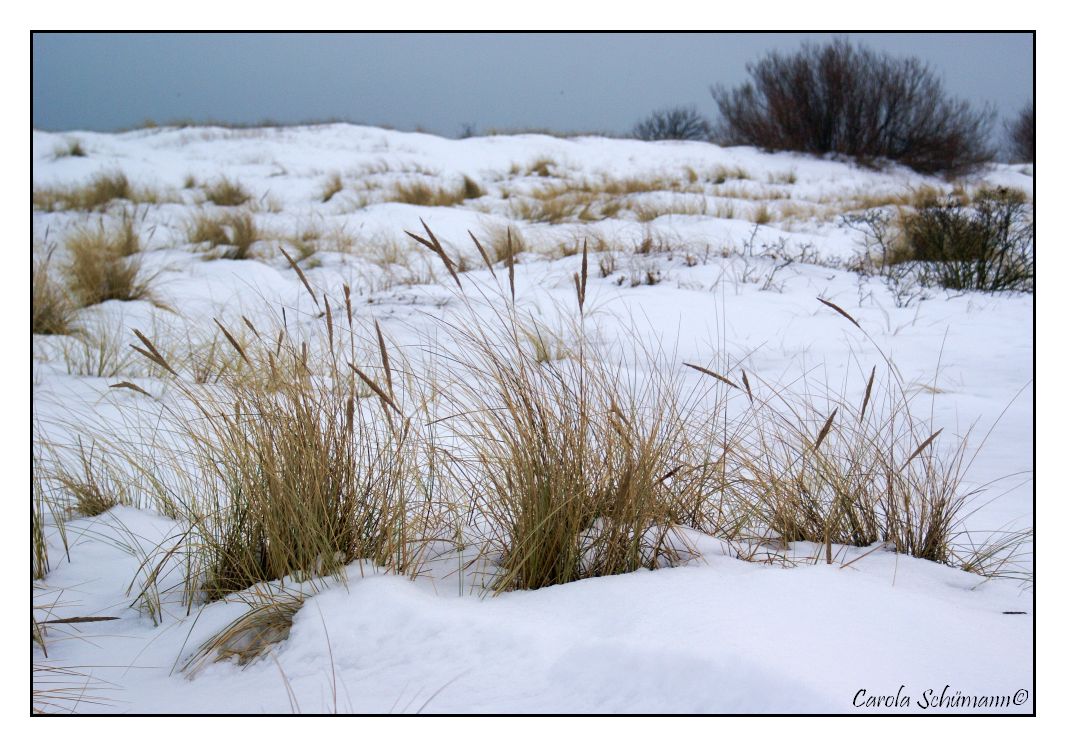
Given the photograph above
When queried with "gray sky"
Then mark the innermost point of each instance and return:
(439, 82)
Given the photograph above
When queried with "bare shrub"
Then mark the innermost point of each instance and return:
(986, 245)
(848, 99)
(1021, 135)
(678, 123)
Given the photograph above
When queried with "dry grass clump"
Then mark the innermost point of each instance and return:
(573, 466)
(570, 459)
(44, 508)
(595, 199)
(863, 473)
(749, 194)
(101, 190)
(235, 231)
(97, 194)
(542, 167)
(226, 193)
(295, 470)
(332, 186)
(917, 197)
(266, 623)
(761, 214)
(723, 174)
(72, 148)
(423, 192)
(648, 210)
(563, 208)
(103, 263)
(856, 471)
(52, 312)
(97, 349)
(93, 485)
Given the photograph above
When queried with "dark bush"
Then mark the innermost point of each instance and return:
(986, 246)
(1021, 135)
(679, 123)
(842, 98)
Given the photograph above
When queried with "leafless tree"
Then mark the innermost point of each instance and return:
(848, 99)
(1021, 134)
(678, 123)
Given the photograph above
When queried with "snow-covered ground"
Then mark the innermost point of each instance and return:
(678, 264)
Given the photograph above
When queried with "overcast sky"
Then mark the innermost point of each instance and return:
(441, 82)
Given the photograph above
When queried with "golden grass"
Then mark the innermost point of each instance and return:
(761, 214)
(103, 263)
(423, 192)
(555, 455)
(650, 209)
(723, 174)
(749, 193)
(297, 473)
(503, 242)
(96, 349)
(52, 312)
(93, 484)
(235, 232)
(332, 186)
(570, 464)
(266, 623)
(226, 193)
(98, 193)
(542, 167)
(72, 148)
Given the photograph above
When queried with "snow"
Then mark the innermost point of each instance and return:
(717, 634)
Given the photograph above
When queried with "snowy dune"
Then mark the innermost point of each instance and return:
(697, 253)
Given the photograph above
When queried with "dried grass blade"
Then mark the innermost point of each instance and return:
(483, 253)
(923, 447)
(130, 385)
(825, 429)
(840, 311)
(712, 374)
(155, 354)
(866, 397)
(747, 386)
(435, 247)
(510, 263)
(376, 389)
(669, 474)
(233, 341)
(424, 242)
(73, 620)
(249, 325)
(384, 358)
(329, 322)
(299, 273)
(584, 270)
